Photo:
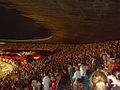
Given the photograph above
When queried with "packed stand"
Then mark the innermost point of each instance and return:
(69, 68)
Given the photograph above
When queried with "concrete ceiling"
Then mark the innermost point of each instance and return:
(72, 21)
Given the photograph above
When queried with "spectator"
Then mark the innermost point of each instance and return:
(46, 82)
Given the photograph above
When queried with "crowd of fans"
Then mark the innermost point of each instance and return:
(68, 68)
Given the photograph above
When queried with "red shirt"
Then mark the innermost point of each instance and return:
(114, 65)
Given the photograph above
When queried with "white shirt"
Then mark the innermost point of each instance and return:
(77, 75)
(114, 80)
(46, 82)
(83, 70)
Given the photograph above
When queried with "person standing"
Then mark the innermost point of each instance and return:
(76, 78)
(83, 71)
(46, 82)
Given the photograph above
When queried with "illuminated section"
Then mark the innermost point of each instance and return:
(5, 68)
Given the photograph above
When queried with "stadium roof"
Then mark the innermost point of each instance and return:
(60, 21)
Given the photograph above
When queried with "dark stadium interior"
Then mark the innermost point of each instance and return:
(16, 27)
(59, 44)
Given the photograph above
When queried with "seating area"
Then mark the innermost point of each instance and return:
(70, 67)
(23, 56)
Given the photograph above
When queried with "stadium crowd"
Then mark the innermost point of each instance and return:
(68, 68)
